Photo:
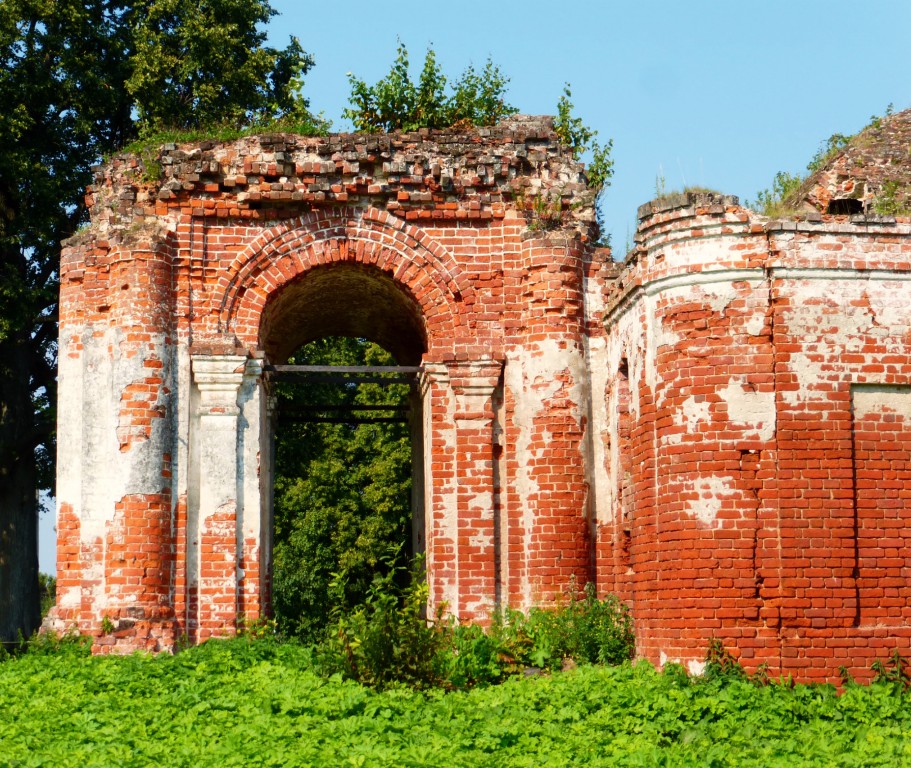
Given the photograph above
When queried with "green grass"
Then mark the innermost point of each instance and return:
(226, 133)
(243, 703)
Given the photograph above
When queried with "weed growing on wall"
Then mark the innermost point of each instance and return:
(581, 139)
(894, 199)
(782, 198)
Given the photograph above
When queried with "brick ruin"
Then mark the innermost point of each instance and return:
(717, 430)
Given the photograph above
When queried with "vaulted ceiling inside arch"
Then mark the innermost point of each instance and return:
(344, 300)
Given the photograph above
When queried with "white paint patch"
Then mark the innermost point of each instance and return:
(756, 324)
(694, 412)
(750, 409)
(533, 378)
(695, 667)
(597, 446)
(666, 337)
(883, 399)
(720, 295)
(440, 496)
(709, 494)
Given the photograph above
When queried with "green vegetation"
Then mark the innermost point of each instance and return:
(245, 702)
(397, 102)
(894, 199)
(580, 138)
(80, 79)
(575, 134)
(47, 586)
(342, 494)
(84, 79)
(780, 200)
(387, 640)
(197, 65)
(308, 125)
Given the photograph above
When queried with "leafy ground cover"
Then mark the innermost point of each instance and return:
(242, 703)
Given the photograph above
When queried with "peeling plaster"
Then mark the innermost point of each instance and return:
(882, 400)
(695, 667)
(709, 494)
(755, 325)
(720, 295)
(694, 412)
(106, 474)
(751, 409)
(532, 380)
(666, 337)
(820, 323)
(441, 502)
(600, 410)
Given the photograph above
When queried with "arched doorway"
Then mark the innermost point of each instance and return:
(343, 346)
(175, 307)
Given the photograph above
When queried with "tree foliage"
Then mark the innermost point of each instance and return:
(397, 102)
(580, 138)
(574, 133)
(342, 493)
(79, 79)
(203, 64)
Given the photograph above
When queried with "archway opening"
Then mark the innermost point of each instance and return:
(348, 443)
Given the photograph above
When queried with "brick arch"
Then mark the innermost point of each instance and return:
(375, 239)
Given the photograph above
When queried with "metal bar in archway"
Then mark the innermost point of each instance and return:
(365, 369)
(385, 375)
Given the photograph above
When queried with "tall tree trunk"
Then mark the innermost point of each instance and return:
(19, 595)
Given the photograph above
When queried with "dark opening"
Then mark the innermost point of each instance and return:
(845, 206)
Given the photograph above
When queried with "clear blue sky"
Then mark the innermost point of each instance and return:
(719, 94)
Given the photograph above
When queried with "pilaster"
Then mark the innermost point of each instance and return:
(473, 384)
(218, 379)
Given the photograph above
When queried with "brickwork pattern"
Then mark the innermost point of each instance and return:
(716, 431)
(753, 342)
(427, 242)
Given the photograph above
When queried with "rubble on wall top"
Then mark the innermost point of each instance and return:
(872, 174)
(455, 173)
(687, 199)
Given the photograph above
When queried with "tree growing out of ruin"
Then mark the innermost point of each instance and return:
(396, 102)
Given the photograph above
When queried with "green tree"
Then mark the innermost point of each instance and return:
(342, 492)
(200, 64)
(75, 76)
(397, 102)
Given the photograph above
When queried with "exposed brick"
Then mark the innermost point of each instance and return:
(716, 431)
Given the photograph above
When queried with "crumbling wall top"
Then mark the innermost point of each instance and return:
(426, 175)
(873, 172)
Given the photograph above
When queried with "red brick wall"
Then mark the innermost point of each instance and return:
(753, 520)
(425, 226)
(881, 447)
(738, 471)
